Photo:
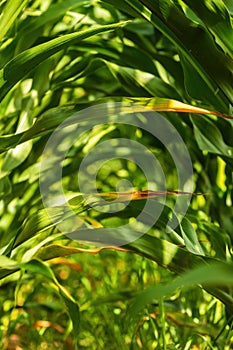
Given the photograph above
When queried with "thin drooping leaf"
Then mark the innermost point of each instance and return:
(137, 195)
(169, 105)
(26, 61)
(38, 267)
(215, 274)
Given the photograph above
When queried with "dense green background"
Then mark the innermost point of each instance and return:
(162, 291)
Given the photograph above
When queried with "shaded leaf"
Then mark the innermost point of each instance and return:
(209, 138)
(217, 19)
(190, 238)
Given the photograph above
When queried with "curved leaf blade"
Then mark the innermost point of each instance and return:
(26, 61)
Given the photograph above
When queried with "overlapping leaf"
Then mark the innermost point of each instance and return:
(26, 61)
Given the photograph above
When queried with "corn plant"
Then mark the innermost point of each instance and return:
(113, 73)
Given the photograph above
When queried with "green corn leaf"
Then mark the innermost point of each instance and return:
(216, 17)
(26, 61)
(209, 138)
(38, 267)
(190, 237)
(212, 275)
(10, 12)
(191, 41)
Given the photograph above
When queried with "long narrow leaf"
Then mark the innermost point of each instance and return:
(216, 17)
(212, 275)
(26, 61)
(11, 11)
(53, 118)
(191, 43)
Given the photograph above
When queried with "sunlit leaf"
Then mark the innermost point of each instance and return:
(22, 64)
